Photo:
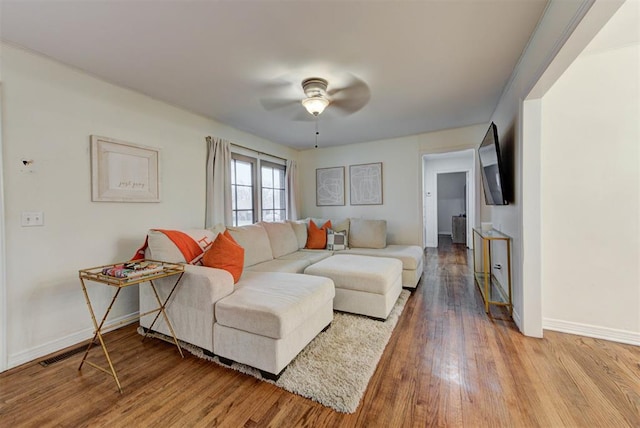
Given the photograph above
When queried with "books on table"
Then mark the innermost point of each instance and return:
(132, 270)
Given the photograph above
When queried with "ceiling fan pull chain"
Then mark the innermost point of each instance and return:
(317, 132)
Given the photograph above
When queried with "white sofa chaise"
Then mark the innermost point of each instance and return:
(263, 321)
(270, 318)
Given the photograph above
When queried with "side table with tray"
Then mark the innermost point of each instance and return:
(121, 275)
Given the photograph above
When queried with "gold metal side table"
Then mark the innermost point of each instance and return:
(492, 291)
(95, 275)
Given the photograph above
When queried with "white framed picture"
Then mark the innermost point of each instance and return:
(124, 172)
(330, 186)
(365, 182)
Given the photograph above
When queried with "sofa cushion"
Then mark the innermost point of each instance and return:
(218, 228)
(160, 247)
(273, 304)
(410, 255)
(282, 238)
(317, 236)
(359, 273)
(300, 229)
(280, 265)
(255, 241)
(225, 253)
(342, 226)
(312, 256)
(367, 233)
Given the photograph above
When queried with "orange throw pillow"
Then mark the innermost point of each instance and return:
(225, 253)
(317, 238)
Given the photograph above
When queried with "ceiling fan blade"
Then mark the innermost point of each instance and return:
(270, 104)
(348, 105)
(351, 97)
(278, 94)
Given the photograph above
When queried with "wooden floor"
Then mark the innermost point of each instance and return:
(447, 364)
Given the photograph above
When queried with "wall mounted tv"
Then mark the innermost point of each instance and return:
(492, 168)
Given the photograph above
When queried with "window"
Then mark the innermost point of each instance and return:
(243, 200)
(273, 193)
(247, 206)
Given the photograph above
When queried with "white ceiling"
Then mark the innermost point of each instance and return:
(425, 65)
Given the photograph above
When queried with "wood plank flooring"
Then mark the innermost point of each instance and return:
(447, 364)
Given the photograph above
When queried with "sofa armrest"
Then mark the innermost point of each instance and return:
(191, 308)
(201, 287)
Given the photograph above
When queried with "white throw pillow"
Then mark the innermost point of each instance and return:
(160, 247)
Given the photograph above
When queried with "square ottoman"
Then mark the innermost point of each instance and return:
(364, 285)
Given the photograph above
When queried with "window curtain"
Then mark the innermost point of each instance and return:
(291, 189)
(218, 208)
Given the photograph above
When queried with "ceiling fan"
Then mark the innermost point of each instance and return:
(347, 97)
(315, 88)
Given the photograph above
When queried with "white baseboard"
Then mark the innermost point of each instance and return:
(64, 342)
(612, 334)
(517, 319)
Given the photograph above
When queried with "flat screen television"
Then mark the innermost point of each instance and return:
(493, 179)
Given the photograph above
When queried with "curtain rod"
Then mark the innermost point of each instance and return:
(253, 150)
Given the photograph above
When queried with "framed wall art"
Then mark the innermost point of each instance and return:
(365, 182)
(124, 172)
(330, 186)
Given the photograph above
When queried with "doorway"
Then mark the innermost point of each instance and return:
(449, 190)
(452, 206)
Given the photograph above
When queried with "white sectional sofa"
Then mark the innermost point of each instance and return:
(271, 247)
(274, 310)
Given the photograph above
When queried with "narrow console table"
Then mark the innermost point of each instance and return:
(492, 291)
(156, 270)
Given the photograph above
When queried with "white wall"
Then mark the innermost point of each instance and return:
(401, 202)
(402, 177)
(49, 112)
(591, 197)
(554, 29)
(451, 199)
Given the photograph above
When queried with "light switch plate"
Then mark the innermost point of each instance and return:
(32, 218)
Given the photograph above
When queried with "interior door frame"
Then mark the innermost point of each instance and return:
(470, 209)
(473, 209)
(3, 270)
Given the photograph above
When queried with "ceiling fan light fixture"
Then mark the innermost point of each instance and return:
(315, 105)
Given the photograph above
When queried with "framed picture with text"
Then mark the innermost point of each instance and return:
(124, 172)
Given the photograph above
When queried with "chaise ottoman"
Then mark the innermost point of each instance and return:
(364, 285)
(270, 317)
(411, 256)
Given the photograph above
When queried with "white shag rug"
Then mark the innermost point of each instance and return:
(335, 368)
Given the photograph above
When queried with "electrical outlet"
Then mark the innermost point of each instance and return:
(32, 218)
